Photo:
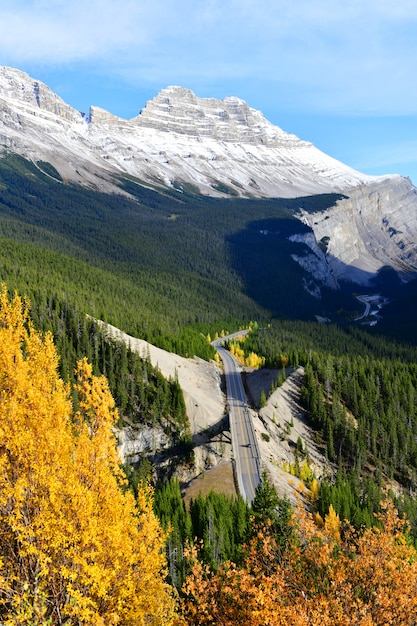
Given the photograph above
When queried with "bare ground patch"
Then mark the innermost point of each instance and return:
(280, 426)
(219, 479)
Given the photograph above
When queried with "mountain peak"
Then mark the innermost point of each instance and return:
(178, 110)
(215, 148)
(19, 86)
(220, 147)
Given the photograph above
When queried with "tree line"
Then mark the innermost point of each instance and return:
(359, 389)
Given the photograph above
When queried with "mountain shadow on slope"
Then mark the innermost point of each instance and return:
(399, 315)
(262, 254)
(195, 259)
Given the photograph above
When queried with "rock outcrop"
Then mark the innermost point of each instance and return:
(374, 226)
(21, 90)
(179, 110)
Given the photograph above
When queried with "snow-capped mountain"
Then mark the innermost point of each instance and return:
(216, 148)
(177, 138)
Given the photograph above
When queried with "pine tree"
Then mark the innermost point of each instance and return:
(266, 499)
(262, 399)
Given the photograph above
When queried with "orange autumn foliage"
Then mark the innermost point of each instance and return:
(366, 578)
(75, 547)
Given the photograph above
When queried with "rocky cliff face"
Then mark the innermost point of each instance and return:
(20, 90)
(179, 110)
(375, 225)
(218, 148)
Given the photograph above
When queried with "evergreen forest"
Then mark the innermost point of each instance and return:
(172, 268)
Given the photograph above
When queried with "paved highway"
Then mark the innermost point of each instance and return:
(244, 443)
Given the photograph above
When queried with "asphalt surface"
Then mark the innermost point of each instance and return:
(244, 443)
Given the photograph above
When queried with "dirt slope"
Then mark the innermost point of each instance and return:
(278, 425)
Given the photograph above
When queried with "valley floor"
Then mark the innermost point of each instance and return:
(278, 425)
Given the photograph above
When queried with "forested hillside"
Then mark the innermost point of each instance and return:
(359, 390)
(173, 268)
(159, 265)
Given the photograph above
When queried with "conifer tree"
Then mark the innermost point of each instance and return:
(266, 499)
(272, 511)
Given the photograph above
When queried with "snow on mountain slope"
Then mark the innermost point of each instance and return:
(179, 138)
(218, 148)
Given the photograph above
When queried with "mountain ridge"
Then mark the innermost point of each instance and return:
(223, 149)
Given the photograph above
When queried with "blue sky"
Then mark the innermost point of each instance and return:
(340, 74)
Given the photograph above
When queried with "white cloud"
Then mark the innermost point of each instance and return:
(59, 32)
(351, 56)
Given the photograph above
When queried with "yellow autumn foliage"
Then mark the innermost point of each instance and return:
(76, 548)
(332, 524)
(237, 352)
(314, 487)
(252, 360)
(303, 471)
(255, 361)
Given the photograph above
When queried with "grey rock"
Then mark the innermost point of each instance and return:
(376, 225)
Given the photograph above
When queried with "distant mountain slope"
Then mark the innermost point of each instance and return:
(202, 146)
(157, 263)
(220, 147)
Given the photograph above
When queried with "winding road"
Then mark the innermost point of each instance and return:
(244, 443)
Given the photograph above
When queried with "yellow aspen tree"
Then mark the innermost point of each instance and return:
(255, 361)
(332, 524)
(314, 487)
(305, 472)
(237, 352)
(76, 548)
